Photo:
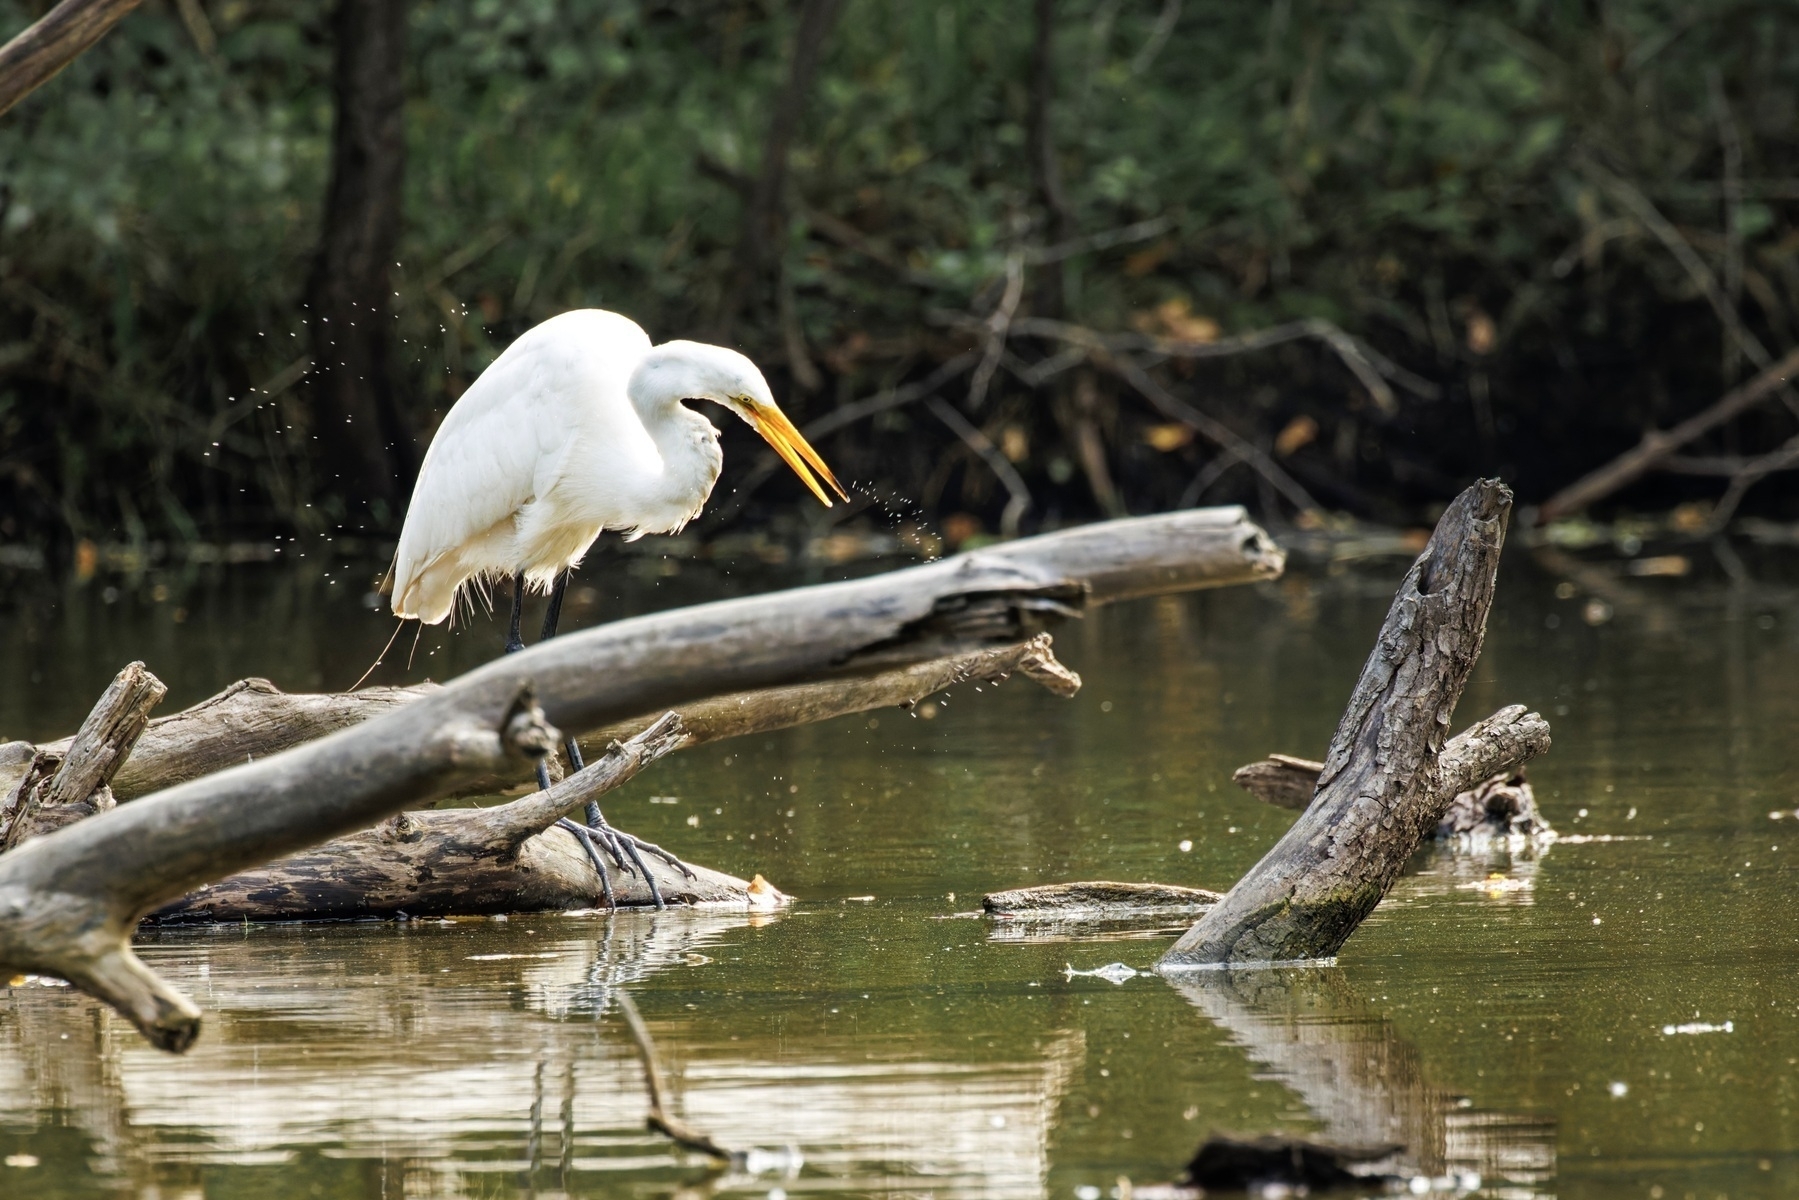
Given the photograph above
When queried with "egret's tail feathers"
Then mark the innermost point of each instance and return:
(430, 595)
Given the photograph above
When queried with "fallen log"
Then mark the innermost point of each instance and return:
(514, 858)
(1096, 899)
(1501, 804)
(69, 899)
(1383, 788)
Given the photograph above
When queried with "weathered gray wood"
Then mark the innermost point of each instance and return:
(510, 858)
(59, 789)
(253, 718)
(1280, 780)
(1503, 803)
(1382, 790)
(1098, 898)
(33, 58)
(464, 861)
(69, 900)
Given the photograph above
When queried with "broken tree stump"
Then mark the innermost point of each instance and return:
(1382, 790)
(60, 788)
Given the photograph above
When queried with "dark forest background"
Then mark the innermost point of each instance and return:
(1002, 255)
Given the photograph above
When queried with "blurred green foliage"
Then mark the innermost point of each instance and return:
(1441, 178)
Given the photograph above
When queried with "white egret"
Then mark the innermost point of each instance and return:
(578, 428)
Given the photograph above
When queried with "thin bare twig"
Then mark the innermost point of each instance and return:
(1631, 198)
(1019, 502)
(1212, 430)
(997, 327)
(1752, 473)
(1368, 366)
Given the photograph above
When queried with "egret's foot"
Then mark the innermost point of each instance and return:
(638, 843)
(593, 856)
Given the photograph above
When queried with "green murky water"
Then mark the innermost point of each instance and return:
(879, 1047)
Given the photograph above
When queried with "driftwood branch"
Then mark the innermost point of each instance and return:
(73, 782)
(513, 858)
(33, 58)
(1383, 787)
(69, 900)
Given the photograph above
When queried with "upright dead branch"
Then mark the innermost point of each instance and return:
(33, 58)
(65, 786)
(69, 900)
(1383, 789)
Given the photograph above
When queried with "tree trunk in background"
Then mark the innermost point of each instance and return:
(366, 452)
(764, 233)
(1045, 170)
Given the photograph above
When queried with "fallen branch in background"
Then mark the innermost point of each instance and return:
(1657, 445)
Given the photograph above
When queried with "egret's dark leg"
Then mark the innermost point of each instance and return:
(613, 839)
(515, 641)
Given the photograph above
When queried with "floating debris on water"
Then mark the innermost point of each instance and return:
(1698, 1027)
(1496, 885)
(1115, 972)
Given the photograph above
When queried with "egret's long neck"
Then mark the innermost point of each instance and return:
(667, 376)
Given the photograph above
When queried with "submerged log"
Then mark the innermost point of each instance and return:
(1097, 899)
(69, 900)
(1501, 804)
(1383, 788)
(513, 858)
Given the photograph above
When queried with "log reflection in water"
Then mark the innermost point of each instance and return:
(1313, 1033)
(457, 1058)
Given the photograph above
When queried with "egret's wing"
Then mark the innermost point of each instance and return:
(505, 443)
(489, 458)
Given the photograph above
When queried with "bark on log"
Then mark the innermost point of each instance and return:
(253, 718)
(512, 858)
(1096, 898)
(62, 788)
(69, 900)
(1383, 789)
(34, 57)
(1280, 780)
(465, 861)
(1501, 803)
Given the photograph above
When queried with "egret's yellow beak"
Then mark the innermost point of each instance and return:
(779, 432)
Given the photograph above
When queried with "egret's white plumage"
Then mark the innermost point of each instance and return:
(577, 428)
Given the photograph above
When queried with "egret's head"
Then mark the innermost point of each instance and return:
(695, 371)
